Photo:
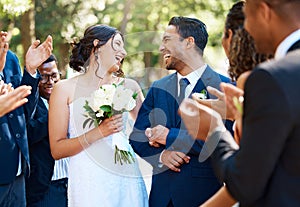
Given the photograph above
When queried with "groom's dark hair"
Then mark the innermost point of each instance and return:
(191, 27)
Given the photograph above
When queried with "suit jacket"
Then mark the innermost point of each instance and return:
(265, 170)
(196, 182)
(41, 161)
(13, 137)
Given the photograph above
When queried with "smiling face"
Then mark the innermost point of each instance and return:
(50, 75)
(112, 53)
(172, 48)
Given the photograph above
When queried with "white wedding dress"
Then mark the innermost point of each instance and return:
(94, 178)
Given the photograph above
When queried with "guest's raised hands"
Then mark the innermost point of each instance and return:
(234, 99)
(3, 49)
(5, 88)
(218, 104)
(200, 120)
(13, 98)
(37, 54)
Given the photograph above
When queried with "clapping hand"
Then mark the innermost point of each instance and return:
(37, 54)
(199, 120)
(5, 88)
(12, 98)
(234, 96)
(218, 104)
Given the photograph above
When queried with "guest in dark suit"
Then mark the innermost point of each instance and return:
(47, 184)
(159, 136)
(10, 98)
(14, 155)
(265, 170)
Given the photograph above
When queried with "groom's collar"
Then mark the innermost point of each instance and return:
(194, 76)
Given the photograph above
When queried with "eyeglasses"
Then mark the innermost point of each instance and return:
(45, 77)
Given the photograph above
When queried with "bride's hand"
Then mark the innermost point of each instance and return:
(111, 125)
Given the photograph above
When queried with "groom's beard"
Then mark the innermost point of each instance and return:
(174, 64)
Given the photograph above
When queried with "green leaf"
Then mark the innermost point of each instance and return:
(86, 122)
(106, 108)
(134, 96)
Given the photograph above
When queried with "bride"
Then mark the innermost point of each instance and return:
(94, 177)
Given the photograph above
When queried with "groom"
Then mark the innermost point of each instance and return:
(160, 137)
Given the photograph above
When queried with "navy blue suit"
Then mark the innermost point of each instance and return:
(196, 181)
(42, 163)
(13, 136)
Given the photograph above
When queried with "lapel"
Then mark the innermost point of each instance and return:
(15, 80)
(208, 78)
(171, 87)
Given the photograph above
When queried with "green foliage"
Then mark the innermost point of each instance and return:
(14, 8)
(142, 23)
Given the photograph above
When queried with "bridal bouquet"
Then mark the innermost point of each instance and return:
(104, 103)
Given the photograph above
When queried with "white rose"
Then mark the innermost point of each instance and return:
(121, 98)
(109, 91)
(102, 96)
(100, 113)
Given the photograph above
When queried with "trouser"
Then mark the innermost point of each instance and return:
(13, 194)
(56, 196)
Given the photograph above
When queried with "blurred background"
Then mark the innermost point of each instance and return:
(142, 23)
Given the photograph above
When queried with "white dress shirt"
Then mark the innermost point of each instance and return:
(285, 45)
(193, 78)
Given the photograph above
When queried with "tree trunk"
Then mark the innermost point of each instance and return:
(126, 12)
(27, 30)
(63, 58)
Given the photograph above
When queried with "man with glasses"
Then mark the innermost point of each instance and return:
(265, 169)
(47, 184)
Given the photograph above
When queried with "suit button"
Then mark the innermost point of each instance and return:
(11, 116)
(18, 136)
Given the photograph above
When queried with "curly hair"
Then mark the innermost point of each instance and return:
(235, 18)
(242, 52)
(81, 51)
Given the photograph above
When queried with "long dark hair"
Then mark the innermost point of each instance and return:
(82, 50)
(242, 52)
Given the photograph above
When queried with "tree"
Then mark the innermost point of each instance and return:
(141, 22)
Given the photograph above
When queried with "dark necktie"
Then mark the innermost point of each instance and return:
(183, 83)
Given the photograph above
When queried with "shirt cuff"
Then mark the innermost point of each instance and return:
(160, 164)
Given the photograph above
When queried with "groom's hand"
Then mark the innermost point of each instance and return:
(157, 134)
(173, 159)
